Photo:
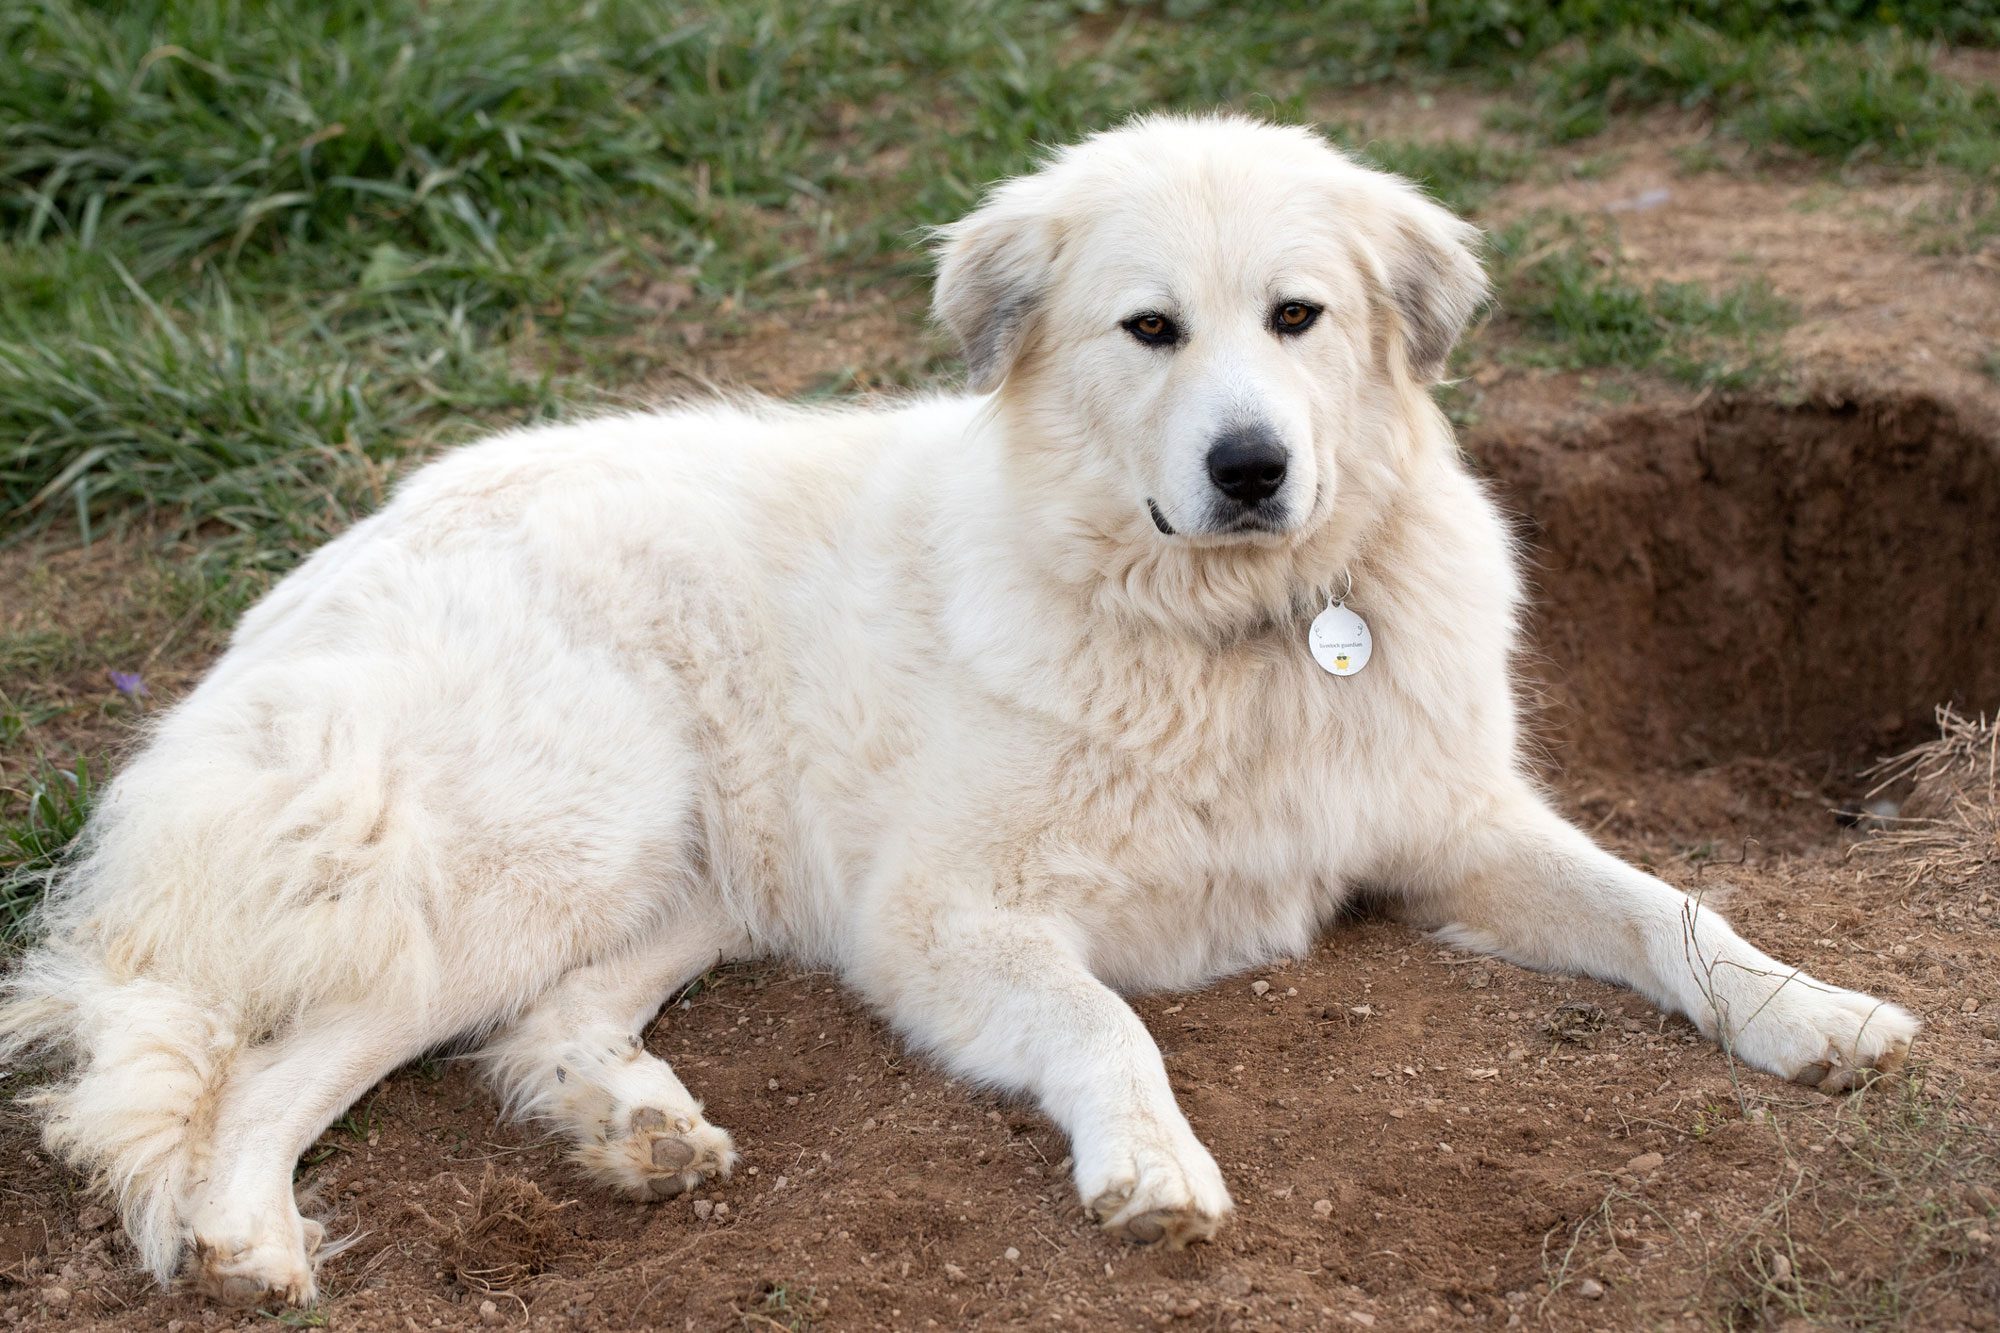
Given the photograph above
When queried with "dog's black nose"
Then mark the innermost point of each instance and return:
(1247, 464)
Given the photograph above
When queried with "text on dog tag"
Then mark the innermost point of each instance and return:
(1339, 640)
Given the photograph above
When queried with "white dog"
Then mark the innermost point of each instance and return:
(1001, 705)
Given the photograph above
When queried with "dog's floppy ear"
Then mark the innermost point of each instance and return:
(1435, 281)
(993, 274)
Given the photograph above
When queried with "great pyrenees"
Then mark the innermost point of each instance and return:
(1122, 672)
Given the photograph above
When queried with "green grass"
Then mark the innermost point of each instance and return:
(1826, 98)
(270, 432)
(259, 250)
(51, 814)
(781, 1307)
(1566, 290)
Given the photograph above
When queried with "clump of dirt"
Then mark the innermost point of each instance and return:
(507, 1233)
(1575, 1021)
(1738, 578)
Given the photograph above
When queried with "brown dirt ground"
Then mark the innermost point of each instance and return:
(1742, 599)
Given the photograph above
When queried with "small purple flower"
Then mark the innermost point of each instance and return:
(129, 684)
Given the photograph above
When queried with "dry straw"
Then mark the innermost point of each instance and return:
(1948, 829)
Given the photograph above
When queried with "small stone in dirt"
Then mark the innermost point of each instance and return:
(1260, 988)
(1645, 1163)
(954, 1272)
(1011, 1255)
(55, 1296)
(1781, 1270)
(1590, 1289)
(772, 1085)
(1971, 1006)
(1324, 1207)
(721, 1211)
(489, 1313)
(94, 1218)
(1641, 202)
(1361, 1317)
(704, 1208)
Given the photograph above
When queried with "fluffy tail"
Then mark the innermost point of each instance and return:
(133, 1113)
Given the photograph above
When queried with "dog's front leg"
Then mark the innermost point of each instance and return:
(1006, 999)
(1522, 883)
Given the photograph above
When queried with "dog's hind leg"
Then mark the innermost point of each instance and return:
(576, 1059)
(1522, 883)
(248, 1242)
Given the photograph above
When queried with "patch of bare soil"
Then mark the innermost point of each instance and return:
(1748, 579)
(1890, 295)
(70, 616)
(1887, 299)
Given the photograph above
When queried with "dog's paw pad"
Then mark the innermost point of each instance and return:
(250, 1276)
(242, 1291)
(1174, 1227)
(1861, 1040)
(1159, 1197)
(661, 1154)
(1839, 1072)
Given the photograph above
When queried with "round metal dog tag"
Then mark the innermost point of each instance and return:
(1339, 640)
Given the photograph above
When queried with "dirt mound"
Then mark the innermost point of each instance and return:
(1747, 579)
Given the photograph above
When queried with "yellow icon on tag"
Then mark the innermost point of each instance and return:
(1340, 662)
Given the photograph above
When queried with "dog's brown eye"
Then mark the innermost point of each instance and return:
(1153, 329)
(1294, 317)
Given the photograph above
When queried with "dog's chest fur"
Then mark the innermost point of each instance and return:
(1191, 808)
(872, 712)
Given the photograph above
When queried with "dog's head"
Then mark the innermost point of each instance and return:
(1204, 332)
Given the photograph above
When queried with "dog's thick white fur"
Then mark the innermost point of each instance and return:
(1000, 704)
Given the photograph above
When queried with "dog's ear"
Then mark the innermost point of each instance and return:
(1435, 281)
(993, 274)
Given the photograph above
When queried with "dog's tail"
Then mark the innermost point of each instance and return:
(133, 1112)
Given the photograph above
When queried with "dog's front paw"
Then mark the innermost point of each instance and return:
(1820, 1035)
(658, 1154)
(1145, 1186)
(255, 1261)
